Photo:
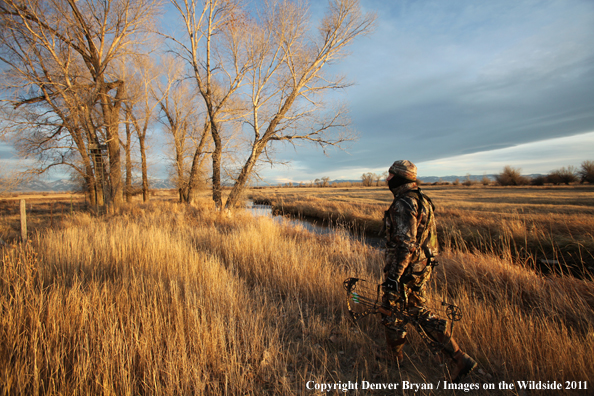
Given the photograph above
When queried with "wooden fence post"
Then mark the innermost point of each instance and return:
(23, 221)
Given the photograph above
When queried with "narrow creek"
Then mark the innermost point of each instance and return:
(312, 225)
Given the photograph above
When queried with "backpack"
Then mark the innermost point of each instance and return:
(426, 237)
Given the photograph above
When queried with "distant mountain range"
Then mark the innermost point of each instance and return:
(433, 179)
(159, 184)
(424, 179)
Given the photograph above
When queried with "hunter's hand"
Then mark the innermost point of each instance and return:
(390, 286)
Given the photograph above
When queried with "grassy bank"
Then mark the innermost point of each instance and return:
(549, 228)
(170, 299)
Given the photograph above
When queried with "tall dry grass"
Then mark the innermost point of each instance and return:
(551, 229)
(170, 299)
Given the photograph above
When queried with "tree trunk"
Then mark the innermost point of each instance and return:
(87, 159)
(91, 185)
(111, 117)
(243, 177)
(197, 163)
(179, 163)
(145, 182)
(182, 195)
(217, 195)
(127, 149)
(115, 170)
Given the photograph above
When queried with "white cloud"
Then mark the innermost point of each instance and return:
(537, 157)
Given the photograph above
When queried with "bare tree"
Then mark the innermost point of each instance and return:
(377, 178)
(384, 177)
(190, 138)
(564, 175)
(283, 68)
(46, 105)
(177, 117)
(586, 172)
(72, 46)
(287, 81)
(141, 108)
(509, 177)
(127, 145)
(216, 50)
(367, 179)
(9, 179)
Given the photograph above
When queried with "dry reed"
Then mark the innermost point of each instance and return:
(550, 229)
(170, 299)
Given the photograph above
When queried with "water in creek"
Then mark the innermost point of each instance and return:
(311, 225)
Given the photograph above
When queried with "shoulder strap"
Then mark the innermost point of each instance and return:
(425, 234)
(423, 196)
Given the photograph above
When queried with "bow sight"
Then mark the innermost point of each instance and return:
(364, 299)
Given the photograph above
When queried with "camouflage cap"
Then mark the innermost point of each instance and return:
(405, 169)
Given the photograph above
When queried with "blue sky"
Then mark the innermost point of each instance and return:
(464, 87)
(458, 87)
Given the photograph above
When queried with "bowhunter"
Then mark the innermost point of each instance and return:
(411, 245)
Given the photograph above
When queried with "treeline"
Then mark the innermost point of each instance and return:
(367, 180)
(508, 177)
(89, 86)
(564, 175)
(323, 182)
(511, 176)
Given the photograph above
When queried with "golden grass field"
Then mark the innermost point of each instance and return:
(170, 299)
(552, 224)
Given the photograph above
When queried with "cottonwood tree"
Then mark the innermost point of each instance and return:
(66, 50)
(367, 179)
(564, 175)
(127, 145)
(10, 178)
(377, 178)
(383, 179)
(586, 172)
(141, 109)
(44, 105)
(287, 81)
(187, 128)
(267, 69)
(215, 48)
(510, 177)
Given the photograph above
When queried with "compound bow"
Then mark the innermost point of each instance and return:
(364, 299)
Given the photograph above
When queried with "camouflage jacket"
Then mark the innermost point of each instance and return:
(410, 232)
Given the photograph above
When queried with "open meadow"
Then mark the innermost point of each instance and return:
(550, 228)
(171, 299)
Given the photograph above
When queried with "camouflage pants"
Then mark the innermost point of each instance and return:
(415, 304)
